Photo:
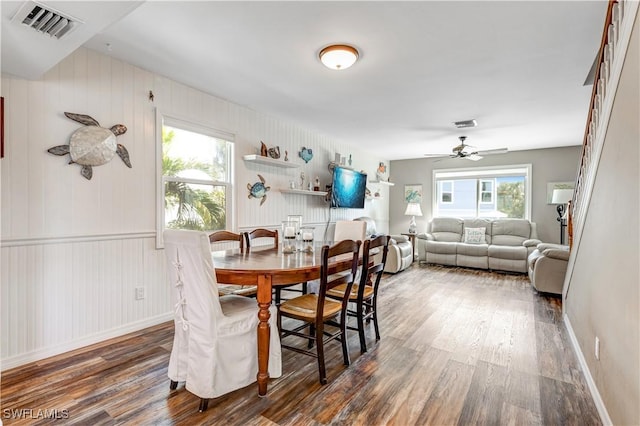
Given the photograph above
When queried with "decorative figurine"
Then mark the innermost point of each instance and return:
(381, 173)
(274, 152)
(263, 149)
(302, 180)
(258, 190)
(349, 160)
(306, 154)
(316, 185)
(286, 155)
(92, 145)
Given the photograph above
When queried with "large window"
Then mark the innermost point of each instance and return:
(489, 192)
(195, 188)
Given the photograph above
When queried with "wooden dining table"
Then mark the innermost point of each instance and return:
(267, 267)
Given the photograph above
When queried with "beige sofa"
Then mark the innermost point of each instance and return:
(547, 267)
(501, 244)
(400, 255)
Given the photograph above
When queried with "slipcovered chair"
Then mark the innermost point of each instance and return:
(548, 267)
(214, 346)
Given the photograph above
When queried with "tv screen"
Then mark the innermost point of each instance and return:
(348, 189)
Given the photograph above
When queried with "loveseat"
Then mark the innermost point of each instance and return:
(500, 244)
(400, 255)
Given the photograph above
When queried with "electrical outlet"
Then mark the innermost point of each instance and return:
(597, 348)
(139, 293)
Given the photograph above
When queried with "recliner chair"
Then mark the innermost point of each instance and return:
(400, 255)
(547, 267)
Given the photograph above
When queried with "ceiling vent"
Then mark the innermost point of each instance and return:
(465, 124)
(46, 20)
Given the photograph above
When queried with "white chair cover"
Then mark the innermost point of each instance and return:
(215, 342)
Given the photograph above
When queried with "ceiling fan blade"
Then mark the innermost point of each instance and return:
(436, 155)
(493, 151)
(473, 156)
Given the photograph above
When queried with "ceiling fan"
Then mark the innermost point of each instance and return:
(461, 151)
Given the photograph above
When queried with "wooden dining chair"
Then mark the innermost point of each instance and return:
(339, 264)
(364, 295)
(225, 289)
(251, 236)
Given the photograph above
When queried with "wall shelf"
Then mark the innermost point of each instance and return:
(303, 192)
(255, 158)
(383, 182)
(370, 197)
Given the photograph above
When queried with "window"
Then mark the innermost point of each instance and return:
(195, 184)
(486, 191)
(489, 192)
(446, 192)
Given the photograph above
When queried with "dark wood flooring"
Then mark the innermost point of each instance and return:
(458, 347)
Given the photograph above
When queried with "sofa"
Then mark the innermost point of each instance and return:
(400, 255)
(548, 267)
(500, 244)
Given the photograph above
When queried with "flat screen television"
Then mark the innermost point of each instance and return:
(348, 188)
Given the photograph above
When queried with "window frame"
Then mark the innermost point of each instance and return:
(484, 172)
(175, 120)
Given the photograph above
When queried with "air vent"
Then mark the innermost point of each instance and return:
(465, 124)
(46, 20)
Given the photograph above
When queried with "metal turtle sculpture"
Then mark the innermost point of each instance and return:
(258, 190)
(92, 145)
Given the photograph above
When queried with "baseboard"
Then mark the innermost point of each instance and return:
(25, 358)
(597, 399)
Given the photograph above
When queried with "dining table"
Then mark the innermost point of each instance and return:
(267, 267)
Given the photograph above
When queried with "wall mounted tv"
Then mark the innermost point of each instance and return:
(348, 188)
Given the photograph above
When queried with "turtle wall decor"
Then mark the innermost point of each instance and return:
(258, 190)
(92, 145)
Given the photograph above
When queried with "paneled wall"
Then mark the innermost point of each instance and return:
(73, 250)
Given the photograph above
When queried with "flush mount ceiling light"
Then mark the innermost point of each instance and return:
(338, 56)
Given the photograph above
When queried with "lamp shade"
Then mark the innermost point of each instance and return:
(413, 209)
(561, 196)
(338, 56)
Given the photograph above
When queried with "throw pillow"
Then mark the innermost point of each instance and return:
(474, 235)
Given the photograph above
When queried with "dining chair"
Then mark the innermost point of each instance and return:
(339, 264)
(364, 294)
(223, 289)
(214, 346)
(267, 233)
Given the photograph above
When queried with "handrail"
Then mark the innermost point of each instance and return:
(590, 118)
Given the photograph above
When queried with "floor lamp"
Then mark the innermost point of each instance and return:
(561, 197)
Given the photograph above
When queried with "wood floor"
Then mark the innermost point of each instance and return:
(458, 347)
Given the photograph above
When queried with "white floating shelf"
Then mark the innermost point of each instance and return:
(255, 158)
(303, 192)
(370, 197)
(383, 182)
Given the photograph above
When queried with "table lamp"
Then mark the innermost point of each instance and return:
(413, 210)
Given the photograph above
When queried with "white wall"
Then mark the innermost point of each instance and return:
(73, 250)
(603, 295)
(548, 165)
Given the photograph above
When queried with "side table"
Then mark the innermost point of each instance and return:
(412, 238)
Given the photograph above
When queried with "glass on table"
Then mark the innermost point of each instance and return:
(290, 231)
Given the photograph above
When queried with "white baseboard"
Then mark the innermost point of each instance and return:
(597, 399)
(25, 358)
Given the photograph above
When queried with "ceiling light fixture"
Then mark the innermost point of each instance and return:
(338, 56)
